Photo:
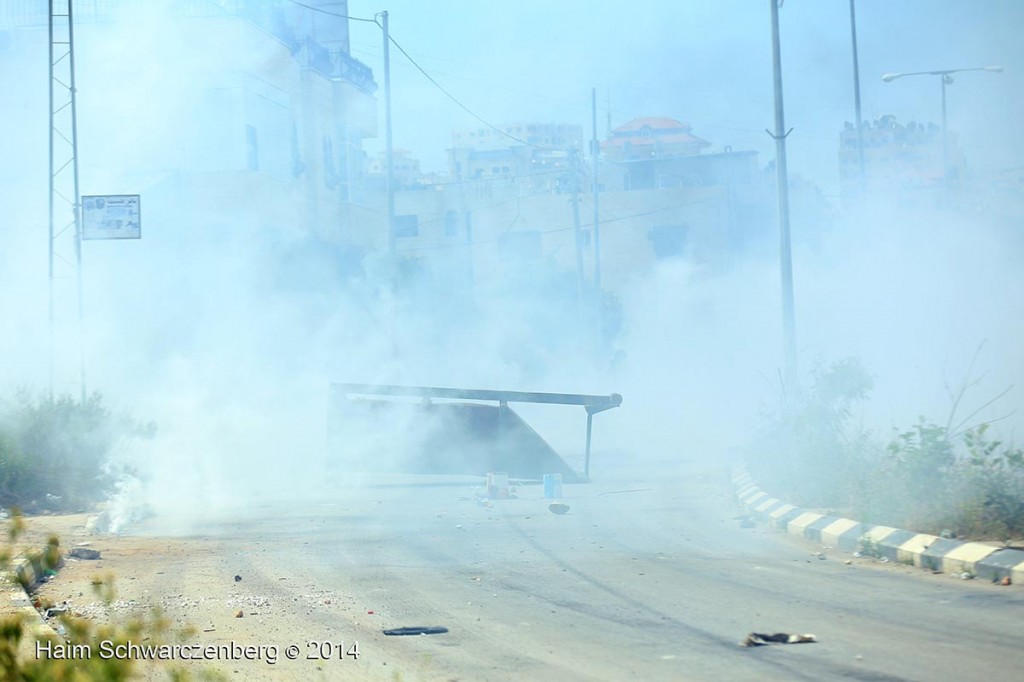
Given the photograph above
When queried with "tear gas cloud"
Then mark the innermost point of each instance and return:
(226, 326)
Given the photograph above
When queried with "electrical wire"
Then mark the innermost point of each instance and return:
(463, 106)
(332, 14)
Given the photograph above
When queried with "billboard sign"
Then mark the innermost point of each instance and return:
(111, 216)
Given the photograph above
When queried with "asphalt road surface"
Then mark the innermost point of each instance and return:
(643, 579)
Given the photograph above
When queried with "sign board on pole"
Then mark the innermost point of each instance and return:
(111, 216)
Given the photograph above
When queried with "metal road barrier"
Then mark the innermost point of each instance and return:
(507, 419)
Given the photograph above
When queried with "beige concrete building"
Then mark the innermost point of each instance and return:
(905, 161)
(510, 206)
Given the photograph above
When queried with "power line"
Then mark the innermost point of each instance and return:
(331, 14)
(463, 106)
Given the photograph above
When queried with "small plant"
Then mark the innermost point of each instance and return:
(80, 635)
(868, 547)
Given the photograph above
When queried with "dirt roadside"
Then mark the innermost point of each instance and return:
(187, 580)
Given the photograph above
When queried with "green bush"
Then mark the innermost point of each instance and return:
(993, 503)
(929, 478)
(806, 450)
(54, 451)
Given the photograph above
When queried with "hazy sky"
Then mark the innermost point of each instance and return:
(706, 63)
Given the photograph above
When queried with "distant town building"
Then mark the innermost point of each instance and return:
(535, 154)
(652, 138)
(898, 157)
(660, 152)
(405, 171)
(508, 202)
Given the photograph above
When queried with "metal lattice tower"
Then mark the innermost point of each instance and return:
(65, 282)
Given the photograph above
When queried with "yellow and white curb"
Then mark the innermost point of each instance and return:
(919, 549)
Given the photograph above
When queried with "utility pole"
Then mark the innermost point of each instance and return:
(574, 188)
(856, 93)
(597, 221)
(389, 150)
(946, 80)
(62, 79)
(785, 250)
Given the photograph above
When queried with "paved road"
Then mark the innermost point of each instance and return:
(644, 579)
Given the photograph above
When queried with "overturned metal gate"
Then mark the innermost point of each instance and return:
(450, 437)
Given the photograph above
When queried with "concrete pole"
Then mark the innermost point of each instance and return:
(574, 187)
(946, 79)
(389, 149)
(597, 222)
(785, 251)
(856, 93)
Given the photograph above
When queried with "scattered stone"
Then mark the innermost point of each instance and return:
(1005, 581)
(239, 613)
(238, 578)
(966, 576)
(947, 534)
(558, 508)
(848, 562)
(84, 553)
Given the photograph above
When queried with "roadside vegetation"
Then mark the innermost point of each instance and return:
(56, 453)
(951, 477)
(18, 637)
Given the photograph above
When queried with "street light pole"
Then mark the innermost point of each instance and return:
(946, 76)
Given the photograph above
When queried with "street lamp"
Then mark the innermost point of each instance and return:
(946, 77)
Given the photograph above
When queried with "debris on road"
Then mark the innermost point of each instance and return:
(558, 508)
(759, 639)
(84, 553)
(631, 490)
(418, 630)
